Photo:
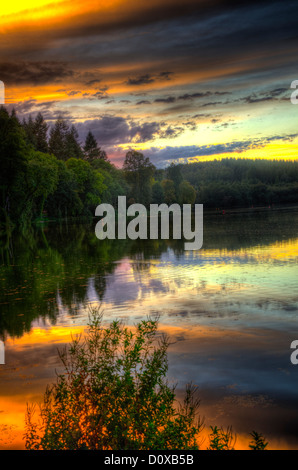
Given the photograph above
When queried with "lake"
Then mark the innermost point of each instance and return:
(230, 308)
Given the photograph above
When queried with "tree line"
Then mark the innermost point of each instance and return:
(47, 172)
(243, 182)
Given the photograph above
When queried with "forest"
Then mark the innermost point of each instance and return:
(47, 173)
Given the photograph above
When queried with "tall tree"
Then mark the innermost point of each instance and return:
(40, 130)
(91, 149)
(73, 147)
(138, 172)
(187, 193)
(41, 179)
(169, 191)
(174, 174)
(58, 139)
(157, 193)
(89, 183)
(28, 126)
(36, 132)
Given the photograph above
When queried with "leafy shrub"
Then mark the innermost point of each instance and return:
(113, 395)
(258, 441)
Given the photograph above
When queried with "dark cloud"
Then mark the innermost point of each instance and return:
(223, 54)
(210, 103)
(166, 75)
(141, 80)
(288, 138)
(149, 78)
(268, 95)
(186, 38)
(113, 130)
(93, 82)
(50, 110)
(73, 93)
(107, 130)
(191, 96)
(170, 132)
(185, 97)
(23, 107)
(169, 99)
(279, 91)
(126, 16)
(145, 132)
(46, 104)
(215, 42)
(201, 116)
(254, 99)
(192, 125)
(100, 94)
(34, 73)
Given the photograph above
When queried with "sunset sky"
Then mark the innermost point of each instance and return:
(179, 81)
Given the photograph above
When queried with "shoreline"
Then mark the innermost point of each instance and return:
(221, 211)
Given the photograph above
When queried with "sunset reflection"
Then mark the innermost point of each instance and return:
(215, 359)
(229, 309)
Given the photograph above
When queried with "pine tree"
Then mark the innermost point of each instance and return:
(28, 126)
(73, 147)
(58, 140)
(91, 149)
(40, 130)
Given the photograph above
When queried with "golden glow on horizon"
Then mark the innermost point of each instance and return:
(281, 151)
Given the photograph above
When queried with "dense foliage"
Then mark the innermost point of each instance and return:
(114, 395)
(243, 182)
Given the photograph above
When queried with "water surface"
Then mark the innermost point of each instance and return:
(230, 309)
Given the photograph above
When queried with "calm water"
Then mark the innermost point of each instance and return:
(231, 309)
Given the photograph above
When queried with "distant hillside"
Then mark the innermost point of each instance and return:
(243, 182)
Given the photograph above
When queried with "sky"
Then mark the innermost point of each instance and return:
(178, 81)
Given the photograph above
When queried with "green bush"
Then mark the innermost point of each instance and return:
(219, 439)
(258, 441)
(114, 395)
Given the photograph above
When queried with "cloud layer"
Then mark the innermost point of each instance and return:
(199, 73)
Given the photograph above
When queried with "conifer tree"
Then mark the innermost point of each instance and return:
(28, 126)
(73, 146)
(58, 140)
(91, 149)
(40, 130)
